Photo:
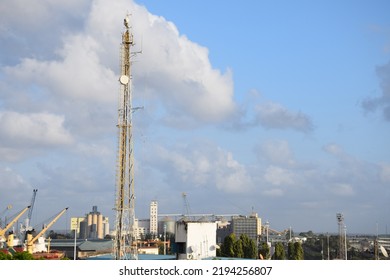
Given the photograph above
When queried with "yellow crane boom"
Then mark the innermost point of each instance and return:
(10, 224)
(31, 241)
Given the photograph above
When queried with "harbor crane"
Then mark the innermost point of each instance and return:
(27, 227)
(10, 224)
(31, 240)
(9, 206)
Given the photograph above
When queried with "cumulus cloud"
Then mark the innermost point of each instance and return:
(273, 192)
(279, 176)
(74, 82)
(205, 166)
(384, 172)
(36, 129)
(256, 110)
(277, 152)
(382, 102)
(342, 189)
(275, 116)
(52, 19)
(13, 189)
(231, 176)
(178, 72)
(173, 71)
(78, 74)
(334, 149)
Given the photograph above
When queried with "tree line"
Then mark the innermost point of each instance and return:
(244, 247)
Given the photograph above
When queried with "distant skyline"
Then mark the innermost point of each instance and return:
(281, 107)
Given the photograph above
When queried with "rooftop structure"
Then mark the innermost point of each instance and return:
(195, 240)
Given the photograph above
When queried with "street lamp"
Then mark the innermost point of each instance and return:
(165, 238)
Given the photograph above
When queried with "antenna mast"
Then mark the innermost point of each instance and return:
(342, 237)
(125, 246)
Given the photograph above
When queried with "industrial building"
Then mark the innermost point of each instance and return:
(93, 226)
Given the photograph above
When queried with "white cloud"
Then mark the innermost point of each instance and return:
(231, 176)
(77, 75)
(172, 70)
(382, 102)
(201, 166)
(278, 152)
(384, 172)
(334, 149)
(273, 115)
(177, 72)
(273, 192)
(311, 204)
(342, 189)
(13, 189)
(35, 129)
(279, 176)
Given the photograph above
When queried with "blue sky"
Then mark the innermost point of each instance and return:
(277, 106)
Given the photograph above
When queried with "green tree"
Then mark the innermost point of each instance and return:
(298, 251)
(227, 249)
(161, 248)
(219, 251)
(5, 256)
(290, 251)
(264, 251)
(249, 247)
(23, 256)
(307, 234)
(279, 252)
(238, 249)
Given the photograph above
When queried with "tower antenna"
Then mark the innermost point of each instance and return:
(342, 237)
(125, 242)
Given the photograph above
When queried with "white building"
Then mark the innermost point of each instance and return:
(154, 218)
(141, 228)
(196, 240)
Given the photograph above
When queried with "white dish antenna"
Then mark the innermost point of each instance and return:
(384, 252)
(124, 80)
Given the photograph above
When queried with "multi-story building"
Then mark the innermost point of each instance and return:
(75, 224)
(154, 218)
(223, 230)
(251, 226)
(141, 228)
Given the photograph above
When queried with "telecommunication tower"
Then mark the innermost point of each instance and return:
(125, 246)
(342, 237)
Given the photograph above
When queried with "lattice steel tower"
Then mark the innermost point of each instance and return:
(125, 246)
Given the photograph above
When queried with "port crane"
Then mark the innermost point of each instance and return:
(31, 240)
(27, 227)
(10, 224)
(9, 206)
